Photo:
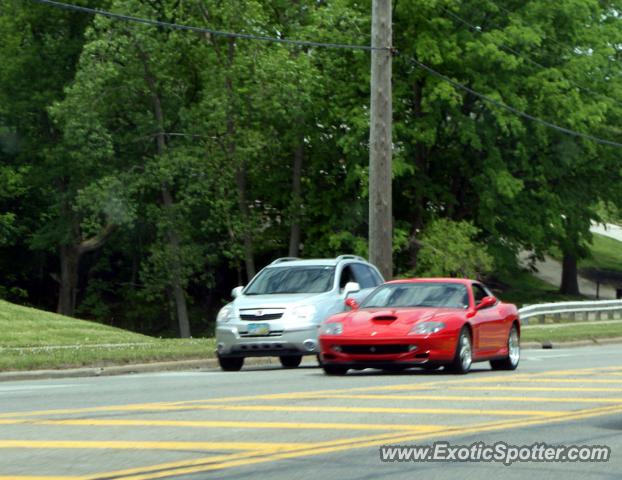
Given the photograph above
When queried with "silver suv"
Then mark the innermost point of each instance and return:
(279, 312)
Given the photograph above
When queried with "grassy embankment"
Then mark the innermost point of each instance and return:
(33, 339)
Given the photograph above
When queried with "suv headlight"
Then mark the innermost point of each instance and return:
(303, 313)
(225, 314)
(333, 328)
(425, 328)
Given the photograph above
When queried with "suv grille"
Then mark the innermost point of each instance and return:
(256, 318)
(273, 333)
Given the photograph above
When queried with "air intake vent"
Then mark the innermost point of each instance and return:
(384, 318)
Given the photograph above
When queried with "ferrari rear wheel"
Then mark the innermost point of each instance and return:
(430, 368)
(511, 361)
(464, 353)
(290, 361)
(334, 370)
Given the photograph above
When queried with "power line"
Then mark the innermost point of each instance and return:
(514, 110)
(216, 33)
(478, 29)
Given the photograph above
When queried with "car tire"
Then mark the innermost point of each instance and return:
(463, 358)
(231, 364)
(394, 368)
(430, 368)
(334, 370)
(512, 360)
(290, 361)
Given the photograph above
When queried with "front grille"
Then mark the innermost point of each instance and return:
(260, 318)
(273, 333)
(374, 349)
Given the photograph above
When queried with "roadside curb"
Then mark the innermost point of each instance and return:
(125, 369)
(213, 363)
(576, 343)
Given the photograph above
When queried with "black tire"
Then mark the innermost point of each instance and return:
(290, 361)
(431, 368)
(464, 347)
(231, 364)
(510, 362)
(334, 369)
(394, 368)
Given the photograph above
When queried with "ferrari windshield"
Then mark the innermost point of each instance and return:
(303, 279)
(432, 294)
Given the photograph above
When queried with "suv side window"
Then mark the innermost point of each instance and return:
(365, 276)
(478, 293)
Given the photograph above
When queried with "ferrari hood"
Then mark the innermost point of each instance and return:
(391, 322)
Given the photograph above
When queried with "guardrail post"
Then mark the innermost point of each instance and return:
(598, 315)
(541, 319)
(557, 318)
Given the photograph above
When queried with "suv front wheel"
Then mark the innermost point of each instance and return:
(231, 364)
(290, 361)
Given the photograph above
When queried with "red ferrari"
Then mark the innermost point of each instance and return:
(426, 323)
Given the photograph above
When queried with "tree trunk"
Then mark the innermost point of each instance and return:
(294, 235)
(570, 278)
(167, 200)
(240, 173)
(70, 256)
(69, 263)
(176, 268)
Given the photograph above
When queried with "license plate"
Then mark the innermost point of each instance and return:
(258, 329)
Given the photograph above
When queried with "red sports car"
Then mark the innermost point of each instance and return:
(427, 323)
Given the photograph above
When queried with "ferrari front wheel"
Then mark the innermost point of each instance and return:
(463, 358)
(334, 369)
(511, 361)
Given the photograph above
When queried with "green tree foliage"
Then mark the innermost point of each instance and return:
(451, 249)
(149, 170)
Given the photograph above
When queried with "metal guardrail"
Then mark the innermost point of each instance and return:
(573, 310)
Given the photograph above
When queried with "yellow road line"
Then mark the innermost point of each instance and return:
(485, 398)
(142, 445)
(30, 477)
(210, 460)
(558, 380)
(345, 409)
(319, 449)
(442, 383)
(223, 424)
(338, 409)
(504, 388)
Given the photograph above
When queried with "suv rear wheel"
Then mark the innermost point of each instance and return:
(231, 364)
(290, 361)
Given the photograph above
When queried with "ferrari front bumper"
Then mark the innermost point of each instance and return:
(405, 352)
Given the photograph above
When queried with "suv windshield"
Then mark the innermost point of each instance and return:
(441, 295)
(273, 280)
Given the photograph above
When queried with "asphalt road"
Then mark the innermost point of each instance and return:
(295, 424)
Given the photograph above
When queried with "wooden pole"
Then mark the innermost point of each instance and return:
(380, 141)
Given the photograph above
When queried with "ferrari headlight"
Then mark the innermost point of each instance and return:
(333, 328)
(425, 328)
(303, 313)
(225, 314)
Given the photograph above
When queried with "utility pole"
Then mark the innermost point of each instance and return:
(380, 141)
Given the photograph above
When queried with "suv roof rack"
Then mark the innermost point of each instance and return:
(350, 257)
(284, 259)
